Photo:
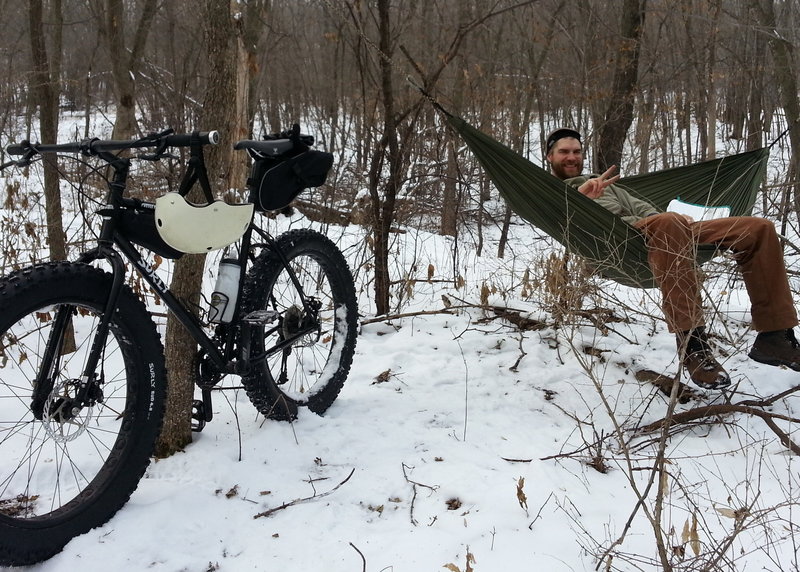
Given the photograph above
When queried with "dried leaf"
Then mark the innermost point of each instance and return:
(383, 377)
(685, 532)
(695, 543)
(453, 504)
(727, 512)
(452, 567)
(485, 295)
(470, 561)
(523, 500)
(430, 272)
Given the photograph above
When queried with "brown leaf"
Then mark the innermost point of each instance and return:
(383, 377)
(453, 504)
(523, 500)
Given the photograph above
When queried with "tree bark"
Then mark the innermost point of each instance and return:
(786, 77)
(224, 45)
(125, 60)
(46, 90)
(619, 115)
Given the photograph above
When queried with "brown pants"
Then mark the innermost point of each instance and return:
(671, 241)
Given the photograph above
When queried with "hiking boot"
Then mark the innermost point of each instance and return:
(777, 348)
(699, 361)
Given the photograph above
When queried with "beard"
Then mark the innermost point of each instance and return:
(566, 171)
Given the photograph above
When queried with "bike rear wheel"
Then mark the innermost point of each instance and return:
(319, 337)
(67, 468)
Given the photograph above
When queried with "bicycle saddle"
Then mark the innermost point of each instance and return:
(196, 229)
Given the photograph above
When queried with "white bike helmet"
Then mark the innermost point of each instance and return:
(200, 228)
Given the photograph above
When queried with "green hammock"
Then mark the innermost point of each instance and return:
(616, 248)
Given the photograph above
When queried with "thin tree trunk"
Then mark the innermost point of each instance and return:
(124, 60)
(619, 116)
(784, 69)
(387, 149)
(45, 88)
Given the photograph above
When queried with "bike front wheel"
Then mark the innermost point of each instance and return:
(70, 460)
(306, 349)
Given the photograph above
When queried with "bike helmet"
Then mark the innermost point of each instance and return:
(200, 228)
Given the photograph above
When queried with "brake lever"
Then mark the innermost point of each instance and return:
(24, 161)
(156, 156)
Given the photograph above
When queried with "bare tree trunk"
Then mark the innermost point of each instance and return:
(224, 45)
(124, 59)
(619, 116)
(45, 88)
(711, 146)
(785, 74)
(387, 149)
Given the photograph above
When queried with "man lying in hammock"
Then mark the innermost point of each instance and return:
(671, 240)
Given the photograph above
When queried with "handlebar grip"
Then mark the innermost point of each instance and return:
(17, 149)
(206, 138)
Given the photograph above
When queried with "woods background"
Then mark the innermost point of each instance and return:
(692, 71)
(651, 83)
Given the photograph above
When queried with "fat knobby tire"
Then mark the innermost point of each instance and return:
(334, 349)
(26, 539)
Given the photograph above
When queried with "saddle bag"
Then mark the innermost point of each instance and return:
(275, 181)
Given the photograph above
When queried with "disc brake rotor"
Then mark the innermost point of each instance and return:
(63, 419)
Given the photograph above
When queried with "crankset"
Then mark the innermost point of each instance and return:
(206, 376)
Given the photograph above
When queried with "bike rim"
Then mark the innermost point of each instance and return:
(50, 463)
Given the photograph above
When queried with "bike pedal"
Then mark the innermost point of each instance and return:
(261, 317)
(198, 416)
(202, 411)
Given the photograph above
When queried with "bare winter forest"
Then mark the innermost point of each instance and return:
(666, 79)
(652, 84)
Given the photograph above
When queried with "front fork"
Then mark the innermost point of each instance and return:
(88, 387)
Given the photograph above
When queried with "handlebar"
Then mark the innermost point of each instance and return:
(98, 146)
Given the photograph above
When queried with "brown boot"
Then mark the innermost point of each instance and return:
(699, 362)
(777, 348)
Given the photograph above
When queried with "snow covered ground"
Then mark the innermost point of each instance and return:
(460, 442)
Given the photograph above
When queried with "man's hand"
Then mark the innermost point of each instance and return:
(594, 188)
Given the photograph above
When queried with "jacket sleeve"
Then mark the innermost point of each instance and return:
(623, 204)
(619, 201)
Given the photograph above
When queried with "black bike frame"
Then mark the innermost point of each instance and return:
(110, 237)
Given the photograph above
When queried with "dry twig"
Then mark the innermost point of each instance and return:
(273, 510)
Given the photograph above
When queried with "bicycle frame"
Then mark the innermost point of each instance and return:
(233, 357)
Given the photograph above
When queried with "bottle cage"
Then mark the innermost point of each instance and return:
(194, 228)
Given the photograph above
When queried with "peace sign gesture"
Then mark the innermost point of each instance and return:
(595, 187)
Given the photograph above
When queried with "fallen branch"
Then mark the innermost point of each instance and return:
(387, 317)
(726, 409)
(304, 499)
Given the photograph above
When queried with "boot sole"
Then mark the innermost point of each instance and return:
(708, 386)
(712, 386)
(761, 358)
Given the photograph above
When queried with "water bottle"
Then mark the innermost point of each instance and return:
(223, 299)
